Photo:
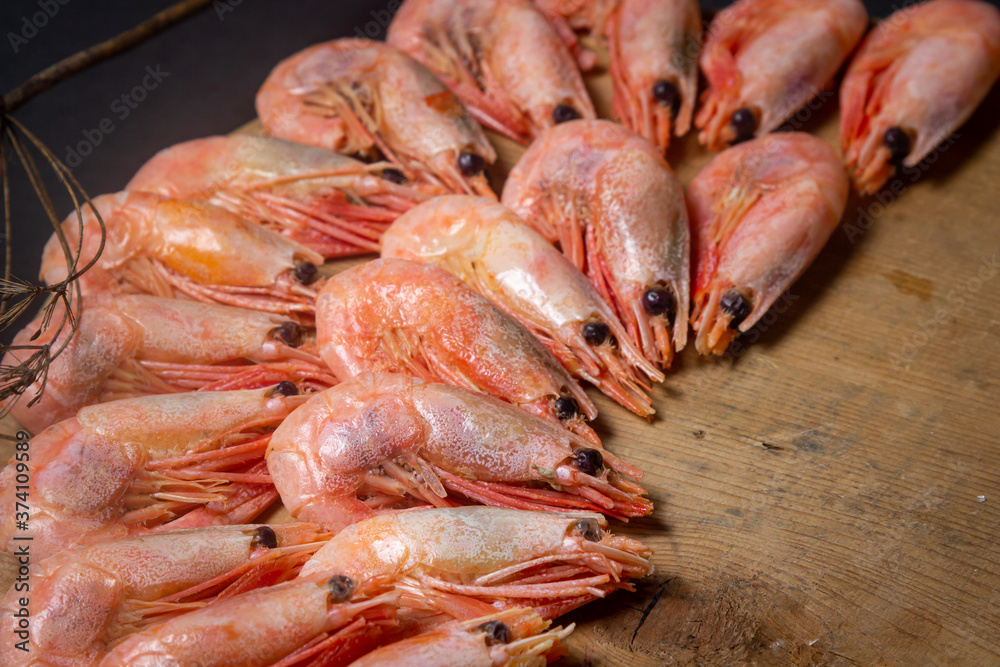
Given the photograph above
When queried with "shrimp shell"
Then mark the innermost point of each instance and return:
(393, 315)
(361, 437)
(501, 57)
(355, 95)
(512, 637)
(127, 467)
(920, 74)
(328, 202)
(490, 248)
(760, 213)
(611, 202)
(764, 59)
(136, 345)
(552, 562)
(86, 600)
(167, 247)
(278, 625)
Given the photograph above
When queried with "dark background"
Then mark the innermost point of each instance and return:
(210, 67)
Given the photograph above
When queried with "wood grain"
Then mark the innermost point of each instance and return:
(829, 494)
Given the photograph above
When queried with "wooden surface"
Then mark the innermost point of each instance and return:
(830, 495)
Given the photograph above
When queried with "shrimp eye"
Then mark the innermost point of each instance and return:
(564, 113)
(471, 164)
(496, 632)
(288, 333)
(588, 529)
(734, 304)
(264, 538)
(898, 143)
(341, 588)
(596, 333)
(285, 388)
(659, 302)
(566, 407)
(744, 124)
(666, 93)
(394, 176)
(588, 461)
(306, 272)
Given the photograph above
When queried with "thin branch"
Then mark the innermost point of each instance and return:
(79, 61)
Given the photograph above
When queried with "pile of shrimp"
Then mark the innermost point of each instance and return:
(420, 415)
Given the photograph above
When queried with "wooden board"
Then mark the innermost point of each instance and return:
(829, 495)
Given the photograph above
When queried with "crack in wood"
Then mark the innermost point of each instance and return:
(649, 608)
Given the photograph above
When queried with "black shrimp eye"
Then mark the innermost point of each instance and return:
(496, 632)
(285, 388)
(734, 304)
(264, 538)
(744, 124)
(898, 143)
(288, 333)
(596, 333)
(588, 461)
(588, 529)
(659, 302)
(394, 176)
(306, 272)
(471, 164)
(666, 93)
(566, 407)
(564, 113)
(341, 588)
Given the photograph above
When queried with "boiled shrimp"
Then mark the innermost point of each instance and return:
(516, 637)
(328, 202)
(278, 625)
(611, 202)
(131, 466)
(86, 600)
(494, 251)
(501, 57)
(396, 438)
(502, 557)
(764, 59)
(917, 77)
(760, 213)
(170, 247)
(136, 345)
(355, 96)
(393, 315)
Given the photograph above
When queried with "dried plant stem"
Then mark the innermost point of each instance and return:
(79, 61)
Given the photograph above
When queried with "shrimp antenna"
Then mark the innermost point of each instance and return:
(16, 294)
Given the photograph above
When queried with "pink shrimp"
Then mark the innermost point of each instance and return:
(355, 95)
(393, 315)
(917, 77)
(610, 200)
(501, 57)
(330, 451)
(501, 557)
(571, 16)
(515, 637)
(130, 466)
(760, 213)
(764, 59)
(486, 245)
(85, 600)
(167, 247)
(328, 202)
(136, 345)
(278, 625)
